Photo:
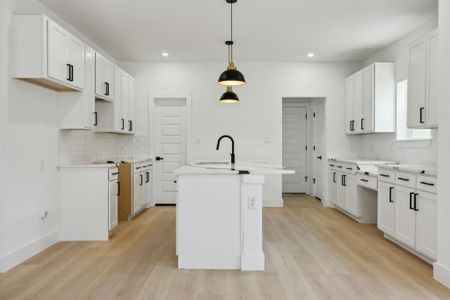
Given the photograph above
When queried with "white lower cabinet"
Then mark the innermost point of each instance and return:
(332, 179)
(346, 193)
(113, 204)
(407, 213)
(341, 191)
(138, 192)
(385, 207)
(405, 216)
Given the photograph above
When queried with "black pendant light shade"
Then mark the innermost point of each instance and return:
(229, 96)
(231, 77)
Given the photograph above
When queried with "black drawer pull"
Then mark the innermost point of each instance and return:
(364, 180)
(384, 175)
(403, 179)
(331, 165)
(427, 183)
(349, 169)
(340, 167)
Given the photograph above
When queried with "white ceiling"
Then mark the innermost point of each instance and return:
(268, 30)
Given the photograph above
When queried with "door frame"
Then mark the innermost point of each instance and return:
(324, 170)
(307, 106)
(151, 110)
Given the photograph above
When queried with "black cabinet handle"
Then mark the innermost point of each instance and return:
(415, 202)
(334, 177)
(390, 194)
(343, 180)
(411, 201)
(159, 158)
(427, 183)
(421, 115)
(384, 175)
(364, 180)
(142, 179)
(69, 72)
(340, 167)
(331, 165)
(106, 88)
(403, 179)
(95, 118)
(147, 174)
(350, 169)
(118, 188)
(130, 125)
(319, 157)
(362, 124)
(123, 124)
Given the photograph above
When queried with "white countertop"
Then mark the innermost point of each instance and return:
(224, 168)
(360, 161)
(418, 169)
(89, 166)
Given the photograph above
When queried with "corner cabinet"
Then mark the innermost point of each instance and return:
(118, 116)
(370, 100)
(47, 54)
(423, 82)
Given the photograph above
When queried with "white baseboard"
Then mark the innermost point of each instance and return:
(253, 262)
(441, 273)
(273, 202)
(18, 256)
(327, 204)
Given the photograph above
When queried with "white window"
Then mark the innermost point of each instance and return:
(403, 132)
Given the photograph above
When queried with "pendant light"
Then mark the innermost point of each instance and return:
(231, 76)
(229, 96)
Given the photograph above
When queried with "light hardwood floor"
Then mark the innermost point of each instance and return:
(312, 252)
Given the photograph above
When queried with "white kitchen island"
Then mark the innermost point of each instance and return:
(219, 215)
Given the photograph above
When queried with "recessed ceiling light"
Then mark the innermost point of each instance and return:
(310, 54)
(165, 54)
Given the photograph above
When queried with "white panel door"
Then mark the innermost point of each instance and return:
(368, 99)
(433, 78)
(119, 120)
(113, 203)
(138, 185)
(386, 207)
(426, 226)
(294, 148)
(170, 146)
(318, 127)
(332, 185)
(358, 101)
(352, 203)
(341, 191)
(417, 74)
(349, 109)
(57, 52)
(405, 216)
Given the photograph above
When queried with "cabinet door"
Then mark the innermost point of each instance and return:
(57, 52)
(148, 191)
(104, 78)
(113, 204)
(132, 103)
(124, 94)
(137, 192)
(119, 119)
(386, 208)
(426, 214)
(432, 80)
(349, 113)
(352, 204)
(341, 191)
(75, 49)
(368, 99)
(332, 184)
(405, 216)
(358, 102)
(417, 84)
(90, 119)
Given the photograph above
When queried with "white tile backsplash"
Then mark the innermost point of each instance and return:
(85, 146)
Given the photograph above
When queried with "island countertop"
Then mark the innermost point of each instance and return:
(224, 168)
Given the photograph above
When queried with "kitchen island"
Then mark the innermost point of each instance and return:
(219, 215)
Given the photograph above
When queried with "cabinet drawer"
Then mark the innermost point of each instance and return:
(406, 179)
(386, 175)
(427, 184)
(346, 168)
(367, 181)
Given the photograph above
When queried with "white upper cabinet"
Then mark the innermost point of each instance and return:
(47, 54)
(370, 100)
(104, 78)
(423, 82)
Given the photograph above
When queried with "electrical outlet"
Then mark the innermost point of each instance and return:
(251, 203)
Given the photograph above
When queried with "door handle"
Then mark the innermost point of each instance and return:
(390, 194)
(319, 157)
(159, 158)
(415, 202)
(421, 115)
(95, 118)
(106, 88)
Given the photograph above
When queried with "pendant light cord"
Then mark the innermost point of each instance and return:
(231, 47)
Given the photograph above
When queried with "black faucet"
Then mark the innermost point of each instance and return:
(232, 149)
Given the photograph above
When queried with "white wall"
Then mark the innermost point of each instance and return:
(442, 267)
(29, 138)
(385, 146)
(258, 116)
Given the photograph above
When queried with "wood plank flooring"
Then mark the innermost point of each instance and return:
(312, 252)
